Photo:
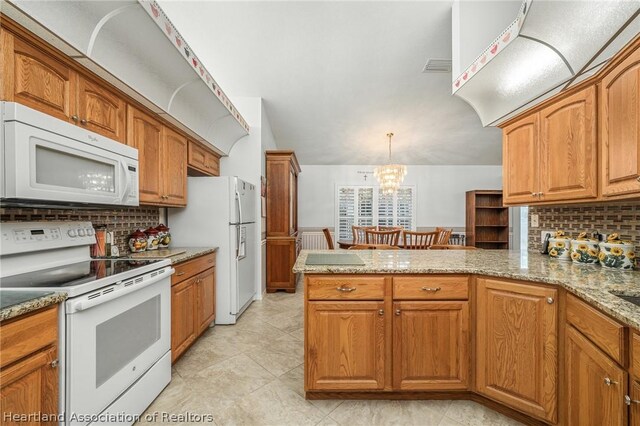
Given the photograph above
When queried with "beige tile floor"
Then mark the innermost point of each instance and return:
(252, 374)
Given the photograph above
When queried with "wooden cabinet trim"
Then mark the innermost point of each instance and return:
(634, 355)
(191, 267)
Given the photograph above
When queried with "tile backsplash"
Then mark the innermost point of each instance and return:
(622, 217)
(119, 220)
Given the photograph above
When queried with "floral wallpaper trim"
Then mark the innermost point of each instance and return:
(170, 31)
(498, 45)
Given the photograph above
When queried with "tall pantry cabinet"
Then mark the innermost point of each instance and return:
(283, 241)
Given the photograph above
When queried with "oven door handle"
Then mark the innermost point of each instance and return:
(84, 304)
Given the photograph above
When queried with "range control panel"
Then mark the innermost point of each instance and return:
(21, 237)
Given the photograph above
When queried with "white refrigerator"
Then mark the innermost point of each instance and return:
(221, 212)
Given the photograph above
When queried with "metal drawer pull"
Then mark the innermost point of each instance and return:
(180, 274)
(629, 401)
(83, 121)
(345, 289)
(74, 118)
(609, 382)
(433, 289)
(381, 312)
(398, 311)
(638, 178)
(54, 363)
(550, 300)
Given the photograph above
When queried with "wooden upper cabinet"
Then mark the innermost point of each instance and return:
(596, 385)
(620, 128)
(101, 110)
(517, 346)
(345, 346)
(282, 193)
(145, 134)
(174, 167)
(36, 79)
(431, 345)
(520, 152)
(202, 161)
(568, 148)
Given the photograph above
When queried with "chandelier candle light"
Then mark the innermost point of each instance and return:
(390, 176)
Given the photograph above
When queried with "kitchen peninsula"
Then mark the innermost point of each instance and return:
(529, 336)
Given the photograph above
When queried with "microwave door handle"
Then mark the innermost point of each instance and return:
(127, 180)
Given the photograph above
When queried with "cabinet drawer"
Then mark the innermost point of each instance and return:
(341, 288)
(25, 335)
(193, 267)
(606, 333)
(431, 287)
(635, 355)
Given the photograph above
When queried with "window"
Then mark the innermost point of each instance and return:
(367, 206)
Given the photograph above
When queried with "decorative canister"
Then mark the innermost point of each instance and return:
(163, 235)
(559, 246)
(137, 241)
(584, 249)
(616, 253)
(152, 238)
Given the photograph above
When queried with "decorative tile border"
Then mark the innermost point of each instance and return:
(170, 31)
(498, 45)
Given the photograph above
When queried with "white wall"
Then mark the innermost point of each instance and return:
(440, 191)
(475, 24)
(246, 160)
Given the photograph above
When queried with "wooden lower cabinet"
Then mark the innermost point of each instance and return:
(596, 385)
(345, 346)
(634, 408)
(517, 345)
(29, 375)
(193, 302)
(183, 323)
(281, 256)
(431, 345)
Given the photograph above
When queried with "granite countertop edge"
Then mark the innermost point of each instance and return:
(191, 253)
(38, 302)
(591, 283)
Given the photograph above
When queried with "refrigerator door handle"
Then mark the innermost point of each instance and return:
(239, 204)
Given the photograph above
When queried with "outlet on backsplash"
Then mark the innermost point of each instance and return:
(534, 222)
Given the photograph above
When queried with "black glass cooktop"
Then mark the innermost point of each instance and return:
(73, 274)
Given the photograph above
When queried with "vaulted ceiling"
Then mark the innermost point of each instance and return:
(335, 77)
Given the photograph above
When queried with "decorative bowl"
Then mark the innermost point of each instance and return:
(559, 246)
(616, 253)
(584, 250)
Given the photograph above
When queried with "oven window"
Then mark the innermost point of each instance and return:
(122, 338)
(66, 170)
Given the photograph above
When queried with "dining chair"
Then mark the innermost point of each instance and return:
(359, 233)
(383, 237)
(443, 235)
(451, 247)
(327, 236)
(373, 247)
(418, 240)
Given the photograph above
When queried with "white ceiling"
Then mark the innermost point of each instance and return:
(337, 76)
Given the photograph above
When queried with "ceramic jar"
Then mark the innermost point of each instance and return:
(152, 238)
(616, 253)
(163, 235)
(137, 241)
(559, 246)
(584, 249)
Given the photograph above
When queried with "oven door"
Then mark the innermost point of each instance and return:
(45, 166)
(110, 345)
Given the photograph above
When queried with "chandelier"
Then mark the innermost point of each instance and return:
(390, 176)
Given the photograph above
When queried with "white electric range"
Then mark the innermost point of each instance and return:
(115, 326)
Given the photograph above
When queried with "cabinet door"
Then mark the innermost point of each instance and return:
(620, 128)
(183, 320)
(30, 386)
(101, 110)
(634, 411)
(568, 148)
(345, 346)
(144, 133)
(517, 346)
(206, 299)
(36, 79)
(520, 150)
(431, 345)
(173, 167)
(595, 384)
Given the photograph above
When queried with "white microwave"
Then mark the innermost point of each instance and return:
(51, 162)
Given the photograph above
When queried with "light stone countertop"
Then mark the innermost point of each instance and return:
(191, 253)
(16, 303)
(592, 283)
